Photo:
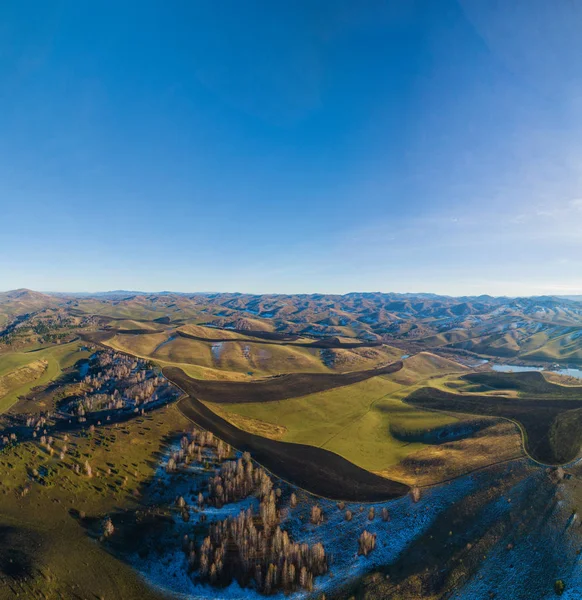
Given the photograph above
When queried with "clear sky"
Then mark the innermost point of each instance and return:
(291, 146)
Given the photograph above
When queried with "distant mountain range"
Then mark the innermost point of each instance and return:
(542, 328)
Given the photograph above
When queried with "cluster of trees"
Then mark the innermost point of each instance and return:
(372, 514)
(253, 547)
(36, 422)
(237, 480)
(8, 440)
(119, 382)
(195, 446)
(366, 542)
(250, 548)
(49, 328)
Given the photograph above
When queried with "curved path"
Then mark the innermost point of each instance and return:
(551, 429)
(316, 470)
(280, 387)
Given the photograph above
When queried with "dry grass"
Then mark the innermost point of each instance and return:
(255, 426)
(434, 464)
(21, 376)
(424, 365)
(250, 358)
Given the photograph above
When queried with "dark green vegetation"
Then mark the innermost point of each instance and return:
(290, 385)
(321, 472)
(550, 415)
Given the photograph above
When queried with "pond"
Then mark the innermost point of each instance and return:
(569, 372)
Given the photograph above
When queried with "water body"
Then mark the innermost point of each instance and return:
(569, 372)
(515, 368)
(84, 369)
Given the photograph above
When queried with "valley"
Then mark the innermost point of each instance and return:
(376, 426)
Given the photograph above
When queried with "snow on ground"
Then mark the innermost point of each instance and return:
(545, 552)
(166, 568)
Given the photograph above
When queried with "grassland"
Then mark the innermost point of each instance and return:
(533, 341)
(54, 360)
(354, 421)
(51, 555)
(317, 470)
(130, 311)
(549, 415)
(434, 463)
(132, 325)
(238, 354)
(360, 440)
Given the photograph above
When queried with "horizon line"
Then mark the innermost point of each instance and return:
(194, 293)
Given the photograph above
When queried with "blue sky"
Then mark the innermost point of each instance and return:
(299, 146)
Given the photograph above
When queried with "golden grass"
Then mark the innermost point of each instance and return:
(211, 332)
(21, 376)
(434, 464)
(220, 360)
(255, 426)
(424, 365)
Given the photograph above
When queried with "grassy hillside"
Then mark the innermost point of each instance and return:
(529, 384)
(249, 356)
(130, 324)
(354, 421)
(550, 422)
(23, 301)
(49, 549)
(18, 382)
(425, 365)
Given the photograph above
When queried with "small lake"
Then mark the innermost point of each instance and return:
(84, 369)
(515, 368)
(569, 372)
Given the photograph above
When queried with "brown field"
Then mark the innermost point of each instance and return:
(281, 387)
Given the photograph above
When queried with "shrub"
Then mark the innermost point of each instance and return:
(559, 586)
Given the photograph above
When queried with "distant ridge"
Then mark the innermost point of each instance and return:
(401, 296)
